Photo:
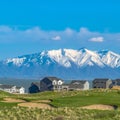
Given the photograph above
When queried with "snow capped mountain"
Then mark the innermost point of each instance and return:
(110, 58)
(65, 57)
(64, 63)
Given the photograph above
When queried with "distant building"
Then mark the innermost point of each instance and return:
(79, 85)
(51, 84)
(117, 82)
(65, 87)
(76, 85)
(57, 84)
(35, 87)
(102, 83)
(12, 89)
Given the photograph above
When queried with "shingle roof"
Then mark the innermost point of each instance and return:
(53, 78)
(6, 86)
(101, 79)
(2, 86)
(36, 83)
(78, 81)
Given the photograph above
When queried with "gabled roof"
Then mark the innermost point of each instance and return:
(6, 86)
(19, 87)
(2, 86)
(36, 83)
(53, 78)
(101, 80)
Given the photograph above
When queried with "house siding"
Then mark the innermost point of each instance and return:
(86, 86)
(34, 88)
(12, 89)
(78, 85)
(51, 84)
(102, 83)
(46, 85)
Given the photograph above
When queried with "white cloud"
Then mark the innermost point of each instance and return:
(96, 39)
(5, 29)
(67, 37)
(56, 38)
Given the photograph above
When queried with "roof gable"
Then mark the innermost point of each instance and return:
(36, 83)
(101, 80)
(78, 82)
(6, 86)
(53, 78)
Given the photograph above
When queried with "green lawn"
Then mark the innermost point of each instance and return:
(67, 106)
(88, 98)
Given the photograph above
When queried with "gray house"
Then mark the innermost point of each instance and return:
(79, 85)
(102, 83)
(51, 84)
(76, 85)
(117, 82)
(35, 87)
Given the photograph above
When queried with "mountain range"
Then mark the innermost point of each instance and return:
(64, 63)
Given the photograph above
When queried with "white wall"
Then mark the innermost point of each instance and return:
(22, 90)
(86, 86)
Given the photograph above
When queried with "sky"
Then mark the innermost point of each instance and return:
(31, 26)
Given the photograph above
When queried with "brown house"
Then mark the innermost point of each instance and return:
(102, 83)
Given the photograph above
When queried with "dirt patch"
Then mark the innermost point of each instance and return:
(35, 105)
(99, 107)
(12, 100)
(42, 101)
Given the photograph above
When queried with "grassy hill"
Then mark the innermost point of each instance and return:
(65, 105)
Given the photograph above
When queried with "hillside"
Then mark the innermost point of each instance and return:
(64, 106)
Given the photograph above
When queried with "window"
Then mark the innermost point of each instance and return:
(59, 82)
(54, 82)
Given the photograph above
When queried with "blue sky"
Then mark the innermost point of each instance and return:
(28, 26)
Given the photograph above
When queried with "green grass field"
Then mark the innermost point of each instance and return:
(66, 106)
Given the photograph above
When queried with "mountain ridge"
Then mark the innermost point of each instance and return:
(66, 63)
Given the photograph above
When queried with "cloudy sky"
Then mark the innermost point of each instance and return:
(29, 26)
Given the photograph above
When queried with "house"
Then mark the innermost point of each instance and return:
(117, 82)
(65, 87)
(12, 89)
(79, 85)
(35, 87)
(20, 90)
(51, 84)
(102, 83)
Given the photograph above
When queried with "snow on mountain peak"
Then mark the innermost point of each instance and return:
(69, 57)
(59, 57)
(16, 61)
(110, 58)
